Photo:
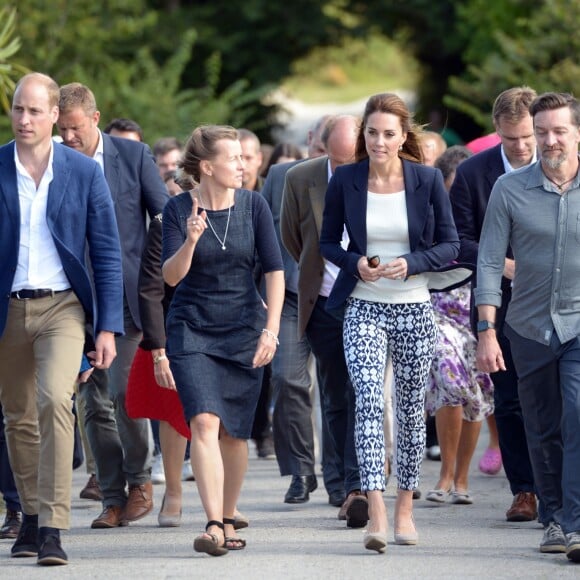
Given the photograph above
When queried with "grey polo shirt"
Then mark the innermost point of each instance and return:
(526, 212)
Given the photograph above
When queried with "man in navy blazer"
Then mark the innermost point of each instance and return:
(470, 194)
(54, 202)
(121, 445)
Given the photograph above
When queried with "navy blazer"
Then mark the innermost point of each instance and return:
(433, 238)
(79, 210)
(137, 190)
(469, 194)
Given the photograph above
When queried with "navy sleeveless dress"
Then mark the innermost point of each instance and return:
(216, 316)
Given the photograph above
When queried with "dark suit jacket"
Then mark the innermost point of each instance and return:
(272, 191)
(79, 210)
(470, 192)
(433, 238)
(137, 190)
(300, 225)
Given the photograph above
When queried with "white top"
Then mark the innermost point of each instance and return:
(330, 270)
(39, 265)
(99, 155)
(388, 238)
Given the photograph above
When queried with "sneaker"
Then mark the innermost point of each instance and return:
(573, 546)
(265, 448)
(187, 471)
(50, 552)
(26, 544)
(157, 471)
(554, 540)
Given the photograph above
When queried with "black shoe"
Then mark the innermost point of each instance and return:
(26, 544)
(336, 498)
(50, 552)
(300, 488)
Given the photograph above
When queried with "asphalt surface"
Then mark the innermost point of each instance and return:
(307, 541)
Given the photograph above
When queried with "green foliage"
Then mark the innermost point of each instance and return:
(9, 45)
(356, 68)
(540, 51)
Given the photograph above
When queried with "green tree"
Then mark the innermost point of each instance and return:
(9, 45)
(540, 50)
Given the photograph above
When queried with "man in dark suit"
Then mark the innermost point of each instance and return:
(292, 418)
(300, 225)
(121, 445)
(470, 193)
(55, 202)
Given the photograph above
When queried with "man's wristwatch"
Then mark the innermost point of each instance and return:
(484, 325)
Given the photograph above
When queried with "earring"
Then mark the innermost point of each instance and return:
(400, 147)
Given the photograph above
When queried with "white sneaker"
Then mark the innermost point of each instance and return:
(187, 472)
(157, 471)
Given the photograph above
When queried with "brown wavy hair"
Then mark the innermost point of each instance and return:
(393, 104)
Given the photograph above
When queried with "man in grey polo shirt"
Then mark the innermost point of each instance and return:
(536, 211)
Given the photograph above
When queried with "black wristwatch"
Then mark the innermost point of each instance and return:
(484, 325)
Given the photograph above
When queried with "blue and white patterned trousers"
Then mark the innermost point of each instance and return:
(409, 333)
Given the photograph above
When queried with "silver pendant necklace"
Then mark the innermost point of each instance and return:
(222, 242)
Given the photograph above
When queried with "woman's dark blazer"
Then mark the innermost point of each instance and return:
(432, 235)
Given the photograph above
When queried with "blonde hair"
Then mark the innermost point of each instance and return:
(75, 95)
(201, 147)
(49, 84)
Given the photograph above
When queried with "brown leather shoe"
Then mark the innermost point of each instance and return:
(92, 490)
(139, 503)
(355, 510)
(11, 525)
(523, 509)
(110, 517)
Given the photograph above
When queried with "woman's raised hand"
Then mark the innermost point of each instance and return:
(196, 224)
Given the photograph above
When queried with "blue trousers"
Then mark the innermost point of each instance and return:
(549, 389)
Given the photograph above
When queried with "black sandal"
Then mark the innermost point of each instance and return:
(210, 545)
(233, 543)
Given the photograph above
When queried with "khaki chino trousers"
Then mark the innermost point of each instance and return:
(40, 355)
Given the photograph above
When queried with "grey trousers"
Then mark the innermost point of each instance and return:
(122, 447)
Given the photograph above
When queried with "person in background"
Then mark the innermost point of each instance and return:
(284, 153)
(219, 335)
(432, 147)
(120, 445)
(535, 212)
(125, 128)
(399, 223)
(59, 210)
(458, 395)
(300, 220)
(167, 152)
(469, 195)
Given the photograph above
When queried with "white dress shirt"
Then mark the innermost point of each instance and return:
(39, 265)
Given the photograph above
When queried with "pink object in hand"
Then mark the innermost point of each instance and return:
(490, 462)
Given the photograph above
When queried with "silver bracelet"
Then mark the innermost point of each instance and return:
(271, 335)
(158, 358)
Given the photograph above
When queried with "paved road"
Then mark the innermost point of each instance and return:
(307, 541)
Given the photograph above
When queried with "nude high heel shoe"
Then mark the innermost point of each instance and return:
(407, 538)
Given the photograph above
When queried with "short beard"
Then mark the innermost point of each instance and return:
(554, 163)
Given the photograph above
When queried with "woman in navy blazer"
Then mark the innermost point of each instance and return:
(399, 223)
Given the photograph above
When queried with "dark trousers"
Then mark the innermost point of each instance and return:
(324, 334)
(121, 446)
(262, 426)
(292, 421)
(510, 423)
(549, 389)
(7, 484)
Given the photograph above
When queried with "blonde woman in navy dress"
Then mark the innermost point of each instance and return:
(219, 333)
